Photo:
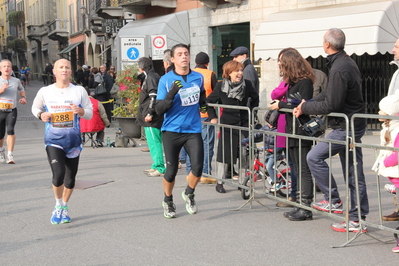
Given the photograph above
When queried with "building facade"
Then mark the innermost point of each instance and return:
(266, 27)
(3, 29)
(47, 32)
(91, 32)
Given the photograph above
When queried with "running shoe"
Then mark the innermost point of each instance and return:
(149, 170)
(326, 206)
(10, 159)
(353, 227)
(390, 188)
(191, 207)
(154, 173)
(2, 157)
(65, 216)
(57, 213)
(276, 187)
(169, 209)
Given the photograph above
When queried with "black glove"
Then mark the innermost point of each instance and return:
(176, 86)
(294, 102)
(204, 108)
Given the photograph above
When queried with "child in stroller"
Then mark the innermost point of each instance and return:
(276, 177)
(269, 142)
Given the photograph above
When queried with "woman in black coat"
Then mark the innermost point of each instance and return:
(298, 73)
(235, 91)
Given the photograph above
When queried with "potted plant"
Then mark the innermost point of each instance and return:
(128, 101)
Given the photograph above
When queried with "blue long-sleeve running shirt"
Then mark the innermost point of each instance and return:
(184, 115)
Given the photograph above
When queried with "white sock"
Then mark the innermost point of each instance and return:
(1, 148)
(65, 204)
(58, 202)
(9, 153)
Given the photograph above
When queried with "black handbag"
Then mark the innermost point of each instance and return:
(100, 89)
(315, 127)
(271, 117)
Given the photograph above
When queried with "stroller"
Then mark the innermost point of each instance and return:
(282, 186)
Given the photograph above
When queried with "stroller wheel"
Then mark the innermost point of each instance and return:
(285, 187)
(246, 193)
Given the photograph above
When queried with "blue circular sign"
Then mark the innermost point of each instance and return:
(133, 53)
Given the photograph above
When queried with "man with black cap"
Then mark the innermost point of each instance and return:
(241, 54)
(208, 131)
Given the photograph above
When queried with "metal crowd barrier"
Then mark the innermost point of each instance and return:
(219, 134)
(375, 148)
(350, 146)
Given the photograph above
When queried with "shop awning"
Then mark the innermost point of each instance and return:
(369, 26)
(175, 26)
(69, 48)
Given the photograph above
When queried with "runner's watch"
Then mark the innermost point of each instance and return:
(39, 115)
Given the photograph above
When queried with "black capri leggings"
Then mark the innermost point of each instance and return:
(8, 119)
(64, 169)
(172, 144)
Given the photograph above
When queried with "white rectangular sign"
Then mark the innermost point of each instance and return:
(158, 46)
(132, 48)
(100, 40)
(126, 64)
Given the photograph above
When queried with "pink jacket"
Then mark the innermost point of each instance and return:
(279, 94)
(386, 163)
(392, 159)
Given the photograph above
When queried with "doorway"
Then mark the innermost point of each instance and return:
(225, 39)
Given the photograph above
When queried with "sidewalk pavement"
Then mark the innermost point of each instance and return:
(121, 222)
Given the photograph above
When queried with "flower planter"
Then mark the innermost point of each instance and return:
(129, 126)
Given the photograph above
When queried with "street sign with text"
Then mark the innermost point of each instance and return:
(158, 46)
(132, 48)
(112, 25)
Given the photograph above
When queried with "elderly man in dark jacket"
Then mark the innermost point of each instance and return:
(241, 54)
(148, 118)
(342, 95)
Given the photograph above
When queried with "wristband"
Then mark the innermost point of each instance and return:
(39, 115)
(23, 97)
